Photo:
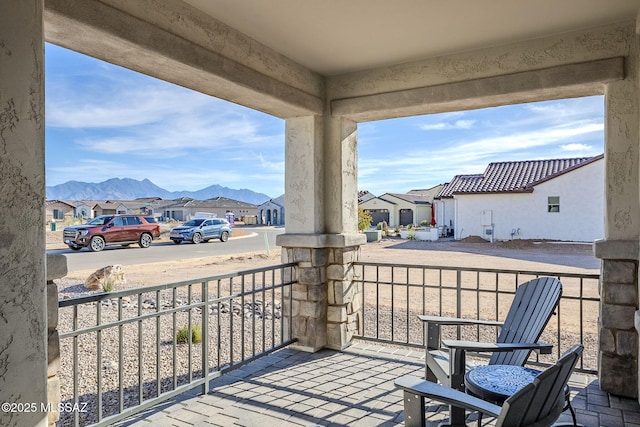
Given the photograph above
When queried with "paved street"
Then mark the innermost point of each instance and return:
(257, 239)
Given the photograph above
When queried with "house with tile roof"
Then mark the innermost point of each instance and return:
(557, 199)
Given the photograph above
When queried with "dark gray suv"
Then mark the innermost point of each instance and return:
(201, 230)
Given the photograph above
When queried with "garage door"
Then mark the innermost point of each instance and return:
(406, 216)
(379, 215)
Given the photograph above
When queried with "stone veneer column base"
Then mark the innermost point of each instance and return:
(344, 297)
(619, 321)
(324, 311)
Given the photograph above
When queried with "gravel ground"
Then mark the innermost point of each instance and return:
(159, 361)
(164, 364)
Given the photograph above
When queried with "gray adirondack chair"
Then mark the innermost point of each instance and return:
(538, 404)
(533, 305)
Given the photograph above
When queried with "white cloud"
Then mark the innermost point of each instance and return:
(167, 124)
(576, 147)
(530, 139)
(269, 165)
(91, 170)
(458, 124)
(175, 138)
(120, 106)
(152, 118)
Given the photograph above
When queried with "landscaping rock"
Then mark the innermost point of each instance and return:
(110, 275)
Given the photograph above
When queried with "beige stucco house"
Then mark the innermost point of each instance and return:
(58, 210)
(397, 59)
(399, 209)
(219, 207)
(380, 210)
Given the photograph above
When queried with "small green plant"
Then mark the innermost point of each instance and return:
(397, 229)
(410, 227)
(108, 284)
(424, 223)
(412, 234)
(182, 336)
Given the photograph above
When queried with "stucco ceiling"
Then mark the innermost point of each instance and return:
(337, 36)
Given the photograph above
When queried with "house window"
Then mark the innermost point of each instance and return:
(58, 214)
(553, 204)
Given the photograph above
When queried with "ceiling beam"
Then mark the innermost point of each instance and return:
(565, 81)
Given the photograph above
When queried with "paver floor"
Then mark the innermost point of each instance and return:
(353, 387)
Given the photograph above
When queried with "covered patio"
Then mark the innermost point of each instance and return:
(352, 387)
(323, 67)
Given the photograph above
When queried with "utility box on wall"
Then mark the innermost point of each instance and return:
(487, 218)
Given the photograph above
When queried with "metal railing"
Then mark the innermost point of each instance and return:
(393, 295)
(125, 351)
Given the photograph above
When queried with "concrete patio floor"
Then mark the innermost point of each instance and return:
(353, 387)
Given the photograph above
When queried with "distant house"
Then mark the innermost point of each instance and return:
(186, 208)
(111, 207)
(410, 208)
(363, 196)
(180, 209)
(558, 199)
(145, 206)
(399, 209)
(379, 209)
(57, 210)
(82, 209)
(271, 212)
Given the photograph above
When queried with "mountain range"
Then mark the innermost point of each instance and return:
(130, 189)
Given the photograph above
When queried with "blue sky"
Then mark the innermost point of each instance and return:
(105, 121)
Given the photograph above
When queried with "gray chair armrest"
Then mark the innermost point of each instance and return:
(539, 347)
(457, 321)
(446, 395)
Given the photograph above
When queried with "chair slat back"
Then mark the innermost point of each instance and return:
(540, 403)
(533, 305)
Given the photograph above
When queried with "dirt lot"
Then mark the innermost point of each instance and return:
(539, 256)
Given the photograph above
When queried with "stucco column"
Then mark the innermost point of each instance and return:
(618, 340)
(23, 321)
(341, 176)
(341, 211)
(304, 221)
(304, 174)
(321, 224)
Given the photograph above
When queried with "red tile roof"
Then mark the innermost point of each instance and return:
(512, 177)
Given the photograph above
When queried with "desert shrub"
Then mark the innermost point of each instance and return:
(108, 284)
(364, 219)
(182, 336)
